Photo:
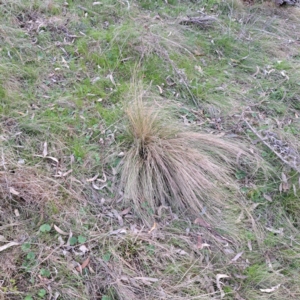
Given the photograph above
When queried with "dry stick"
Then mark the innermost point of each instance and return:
(263, 141)
(200, 21)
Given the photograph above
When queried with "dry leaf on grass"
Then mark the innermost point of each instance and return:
(13, 191)
(93, 178)
(271, 290)
(45, 151)
(117, 215)
(202, 222)
(60, 231)
(118, 231)
(83, 265)
(125, 211)
(61, 174)
(236, 257)
(199, 242)
(28, 184)
(104, 178)
(83, 249)
(160, 89)
(218, 277)
(146, 280)
(49, 157)
(267, 197)
(153, 227)
(4, 247)
(98, 188)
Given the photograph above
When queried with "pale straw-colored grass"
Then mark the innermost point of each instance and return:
(167, 165)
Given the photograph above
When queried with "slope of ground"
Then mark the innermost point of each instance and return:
(69, 70)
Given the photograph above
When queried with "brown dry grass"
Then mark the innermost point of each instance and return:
(24, 184)
(166, 165)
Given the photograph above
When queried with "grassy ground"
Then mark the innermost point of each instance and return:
(67, 71)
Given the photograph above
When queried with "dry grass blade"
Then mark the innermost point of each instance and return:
(165, 165)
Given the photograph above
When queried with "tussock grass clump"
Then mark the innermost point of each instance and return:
(166, 165)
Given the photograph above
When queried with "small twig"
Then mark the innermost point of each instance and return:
(266, 144)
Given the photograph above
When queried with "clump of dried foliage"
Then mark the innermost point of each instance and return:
(165, 165)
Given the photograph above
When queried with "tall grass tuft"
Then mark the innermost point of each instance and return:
(167, 165)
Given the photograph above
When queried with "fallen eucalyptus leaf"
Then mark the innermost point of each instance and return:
(4, 247)
(271, 290)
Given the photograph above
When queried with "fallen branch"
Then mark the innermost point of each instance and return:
(198, 21)
(270, 147)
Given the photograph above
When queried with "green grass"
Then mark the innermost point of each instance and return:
(66, 74)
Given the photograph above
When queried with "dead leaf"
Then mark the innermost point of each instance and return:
(160, 89)
(115, 232)
(61, 241)
(83, 249)
(284, 75)
(199, 69)
(146, 280)
(249, 245)
(13, 191)
(276, 231)
(294, 190)
(198, 53)
(181, 252)
(283, 178)
(4, 247)
(284, 186)
(271, 290)
(60, 231)
(257, 71)
(45, 151)
(153, 227)
(65, 62)
(121, 154)
(96, 187)
(83, 265)
(93, 178)
(201, 222)
(199, 242)
(67, 173)
(218, 277)
(185, 121)
(240, 217)
(125, 211)
(49, 157)
(254, 206)
(159, 210)
(267, 197)
(17, 213)
(117, 215)
(110, 77)
(236, 257)
(70, 236)
(91, 269)
(104, 178)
